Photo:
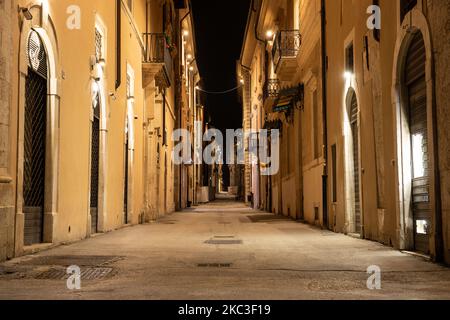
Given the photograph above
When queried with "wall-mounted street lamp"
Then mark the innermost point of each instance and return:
(348, 75)
(26, 13)
(102, 62)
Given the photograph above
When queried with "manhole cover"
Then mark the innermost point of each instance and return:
(334, 285)
(220, 241)
(78, 260)
(328, 234)
(214, 265)
(86, 274)
(11, 274)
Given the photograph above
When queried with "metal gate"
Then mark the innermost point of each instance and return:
(95, 149)
(417, 107)
(34, 141)
(355, 135)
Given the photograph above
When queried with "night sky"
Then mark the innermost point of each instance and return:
(220, 28)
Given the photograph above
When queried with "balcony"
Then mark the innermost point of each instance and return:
(286, 49)
(157, 62)
(271, 91)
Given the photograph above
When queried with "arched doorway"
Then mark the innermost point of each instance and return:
(353, 161)
(126, 172)
(37, 156)
(129, 148)
(95, 164)
(419, 215)
(414, 104)
(34, 145)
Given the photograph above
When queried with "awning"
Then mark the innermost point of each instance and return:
(289, 98)
(283, 104)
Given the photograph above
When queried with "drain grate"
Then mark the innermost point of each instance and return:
(225, 242)
(78, 260)
(214, 265)
(268, 218)
(11, 274)
(7, 272)
(328, 234)
(167, 221)
(86, 274)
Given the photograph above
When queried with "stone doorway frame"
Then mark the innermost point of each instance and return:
(350, 214)
(103, 150)
(414, 21)
(129, 125)
(43, 25)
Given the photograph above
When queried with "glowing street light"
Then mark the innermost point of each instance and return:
(348, 75)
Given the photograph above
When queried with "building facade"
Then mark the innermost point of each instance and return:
(86, 121)
(280, 69)
(359, 96)
(385, 125)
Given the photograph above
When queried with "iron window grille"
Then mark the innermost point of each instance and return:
(98, 45)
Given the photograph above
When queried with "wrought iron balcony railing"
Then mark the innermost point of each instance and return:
(157, 51)
(286, 45)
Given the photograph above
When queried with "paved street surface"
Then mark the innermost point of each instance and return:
(223, 250)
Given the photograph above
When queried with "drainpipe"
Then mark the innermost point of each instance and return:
(324, 116)
(118, 44)
(257, 23)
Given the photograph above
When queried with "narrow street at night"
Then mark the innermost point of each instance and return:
(225, 250)
(247, 157)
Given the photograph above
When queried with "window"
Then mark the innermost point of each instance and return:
(334, 173)
(98, 44)
(130, 5)
(296, 14)
(288, 149)
(405, 7)
(349, 59)
(376, 32)
(316, 125)
(100, 40)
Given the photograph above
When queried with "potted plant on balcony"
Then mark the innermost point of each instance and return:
(170, 45)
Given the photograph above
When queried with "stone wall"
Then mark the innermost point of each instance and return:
(438, 13)
(6, 185)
